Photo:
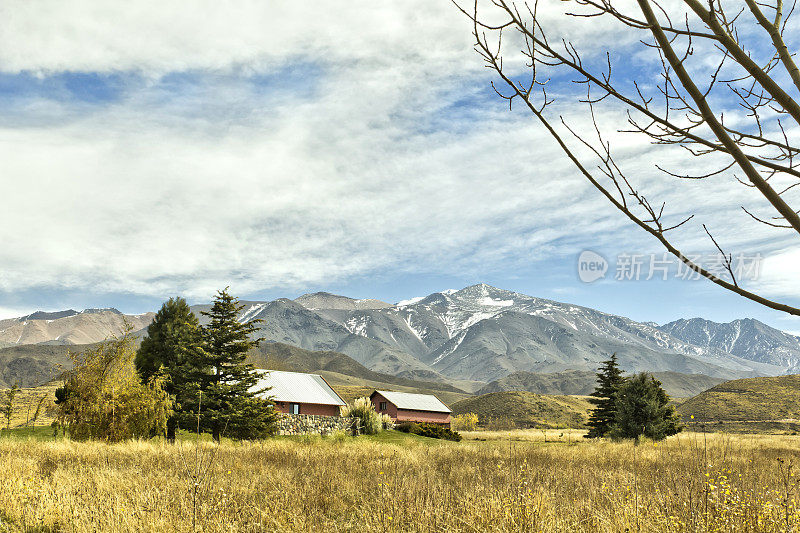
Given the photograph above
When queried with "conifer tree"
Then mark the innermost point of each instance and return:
(643, 408)
(172, 339)
(223, 394)
(609, 379)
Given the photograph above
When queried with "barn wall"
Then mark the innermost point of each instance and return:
(309, 409)
(407, 415)
(391, 409)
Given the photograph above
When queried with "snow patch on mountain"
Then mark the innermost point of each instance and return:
(419, 334)
(410, 301)
(251, 313)
(456, 343)
(474, 319)
(495, 303)
(357, 325)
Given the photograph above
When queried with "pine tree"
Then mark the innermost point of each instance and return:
(172, 339)
(609, 379)
(223, 395)
(643, 408)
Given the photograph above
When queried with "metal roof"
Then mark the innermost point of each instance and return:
(297, 387)
(416, 402)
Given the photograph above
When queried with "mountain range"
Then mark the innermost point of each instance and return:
(468, 337)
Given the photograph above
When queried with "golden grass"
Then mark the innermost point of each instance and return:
(567, 436)
(727, 483)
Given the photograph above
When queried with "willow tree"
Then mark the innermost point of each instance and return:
(103, 397)
(718, 80)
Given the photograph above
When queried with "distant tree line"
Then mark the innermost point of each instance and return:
(629, 408)
(183, 375)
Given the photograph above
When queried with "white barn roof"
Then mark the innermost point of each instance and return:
(297, 387)
(415, 402)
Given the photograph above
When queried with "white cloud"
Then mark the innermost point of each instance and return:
(159, 37)
(14, 312)
(778, 276)
(368, 170)
(314, 195)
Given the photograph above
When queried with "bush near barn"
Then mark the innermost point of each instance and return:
(434, 431)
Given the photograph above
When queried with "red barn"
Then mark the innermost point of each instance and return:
(408, 407)
(300, 394)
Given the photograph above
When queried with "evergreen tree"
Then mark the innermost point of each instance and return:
(643, 408)
(172, 338)
(223, 394)
(609, 379)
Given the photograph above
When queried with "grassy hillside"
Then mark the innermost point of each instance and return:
(747, 400)
(680, 385)
(582, 383)
(526, 409)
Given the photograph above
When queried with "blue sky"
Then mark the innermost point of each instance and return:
(178, 152)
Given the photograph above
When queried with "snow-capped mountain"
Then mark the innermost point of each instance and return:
(289, 322)
(746, 338)
(483, 333)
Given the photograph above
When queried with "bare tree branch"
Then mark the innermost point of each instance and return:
(755, 143)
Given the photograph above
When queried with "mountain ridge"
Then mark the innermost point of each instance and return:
(474, 335)
(745, 337)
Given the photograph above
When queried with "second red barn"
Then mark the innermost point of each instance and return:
(408, 407)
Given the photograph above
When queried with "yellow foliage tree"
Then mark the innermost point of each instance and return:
(103, 397)
(464, 422)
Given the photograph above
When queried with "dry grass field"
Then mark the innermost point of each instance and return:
(398, 483)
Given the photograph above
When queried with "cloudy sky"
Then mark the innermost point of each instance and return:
(150, 150)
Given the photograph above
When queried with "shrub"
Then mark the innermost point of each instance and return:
(8, 404)
(339, 436)
(465, 422)
(386, 421)
(409, 427)
(367, 420)
(434, 431)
